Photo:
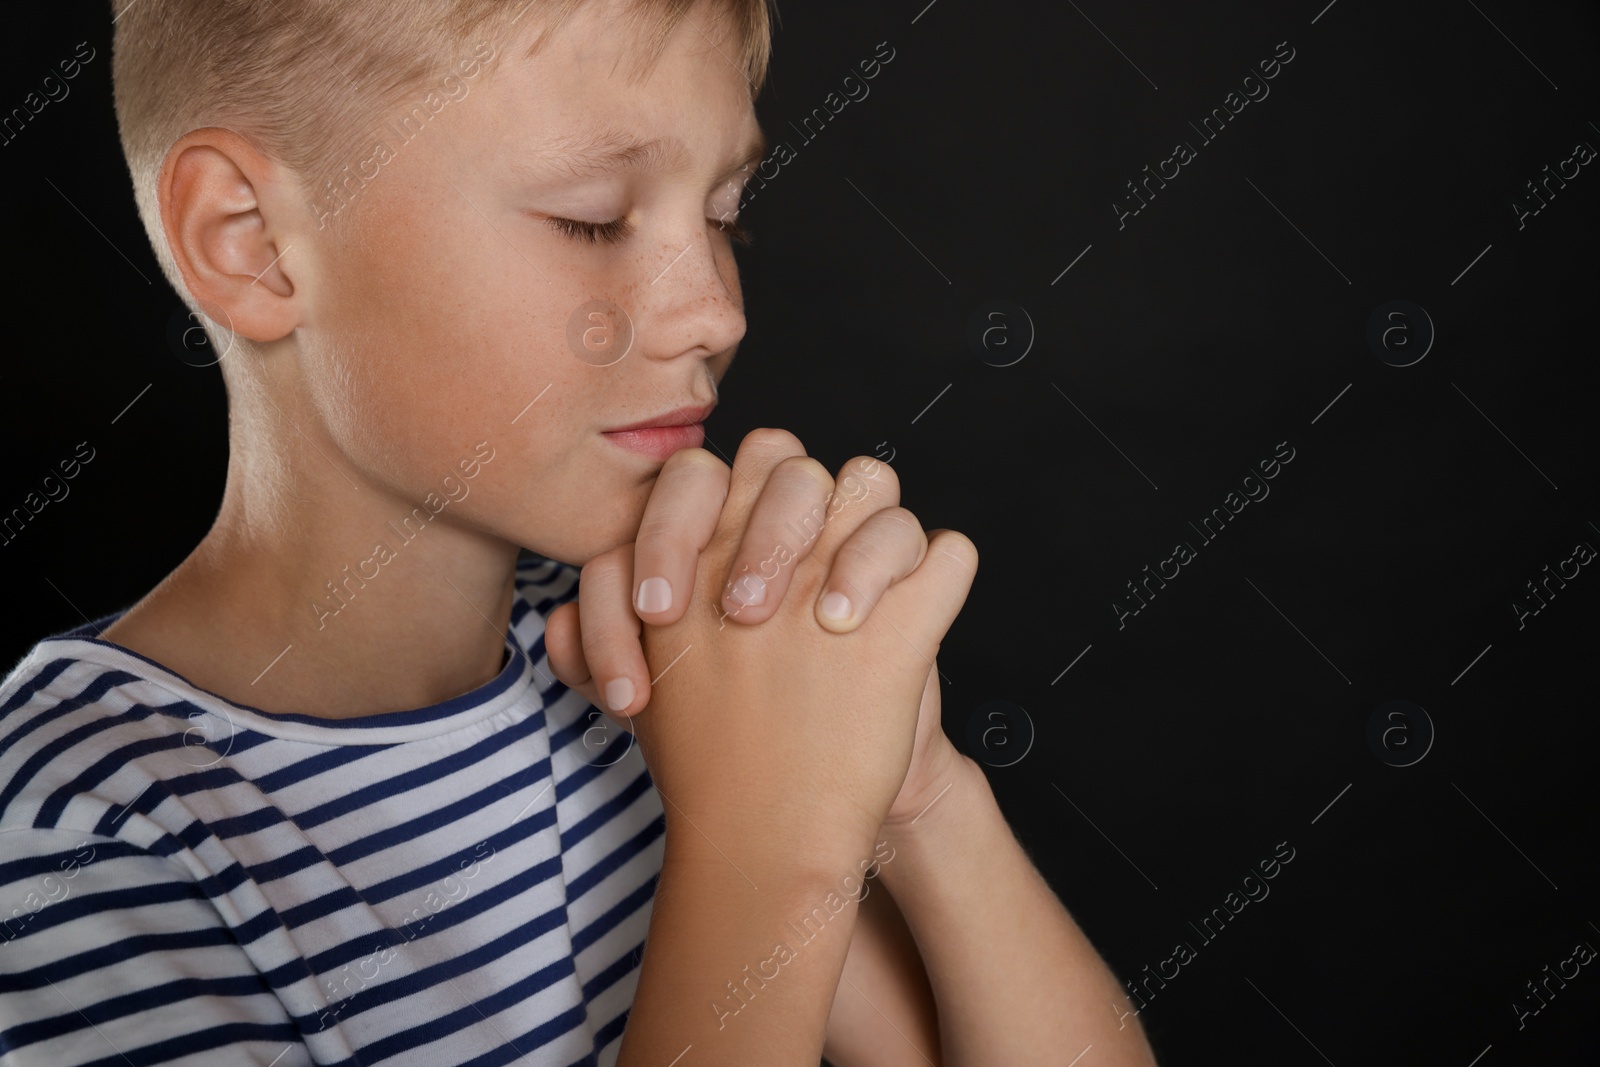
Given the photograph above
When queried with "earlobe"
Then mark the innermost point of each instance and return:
(215, 189)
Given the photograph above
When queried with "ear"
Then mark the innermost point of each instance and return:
(222, 209)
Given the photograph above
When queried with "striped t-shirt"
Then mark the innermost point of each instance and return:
(188, 880)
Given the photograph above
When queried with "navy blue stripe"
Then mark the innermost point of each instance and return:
(419, 776)
(37, 681)
(16, 730)
(224, 882)
(214, 1037)
(612, 1030)
(69, 908)
(92, 695)
(516, 1048)
(319, 907)
(263, 818)
(424, 877)
(624, 852)
(244, 740)
(511, 892)
(586, 1060)
(508, 677)
(600, 816)
(321, 763)
(556, 584)
(436, 974)
(205, 779)
(246, 823)
(575, 729)
(429, 874)
(257, 927)
(329, 903)
(269, 815)
(284, 866)
(146, 802)
(48, 753)
(613, 916)
(70, 967)
(428, 821)
(123, 1005)
(523, 883)
(486, 1007)
(58, 863)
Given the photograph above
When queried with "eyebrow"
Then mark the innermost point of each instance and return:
(610, 150)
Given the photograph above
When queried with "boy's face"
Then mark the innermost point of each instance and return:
(442, 305)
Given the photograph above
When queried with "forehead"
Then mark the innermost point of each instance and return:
(590, 96)
(598, 149)
(616, 45)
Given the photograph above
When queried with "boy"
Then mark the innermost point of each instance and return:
(333, 792)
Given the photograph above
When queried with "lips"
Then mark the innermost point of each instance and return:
(661, 436)
(684, 415)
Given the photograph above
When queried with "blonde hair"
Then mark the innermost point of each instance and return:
(307, 81)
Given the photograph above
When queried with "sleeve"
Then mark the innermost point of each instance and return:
(111, 955)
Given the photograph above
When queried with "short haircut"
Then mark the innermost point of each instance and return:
(308, 81)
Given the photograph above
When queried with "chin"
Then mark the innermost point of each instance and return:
(577, 547)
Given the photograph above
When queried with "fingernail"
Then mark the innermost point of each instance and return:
(749, 590)
(619, 693)
(836, 606)
(655, 594)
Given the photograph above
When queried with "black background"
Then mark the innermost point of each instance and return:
(1231, 713)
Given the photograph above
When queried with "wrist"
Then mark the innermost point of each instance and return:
(745, 949)
(763, 854)
(952, 774)
(959, 819)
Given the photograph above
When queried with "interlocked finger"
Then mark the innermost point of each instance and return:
(887, 545)
(784, 525)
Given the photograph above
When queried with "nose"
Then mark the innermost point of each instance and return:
(688, 299)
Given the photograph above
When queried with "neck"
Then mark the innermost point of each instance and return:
(319, 591)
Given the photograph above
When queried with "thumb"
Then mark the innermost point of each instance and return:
(563, 647)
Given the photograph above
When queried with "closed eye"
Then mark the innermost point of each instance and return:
(618, 230)
(613, 232)
(735, 232)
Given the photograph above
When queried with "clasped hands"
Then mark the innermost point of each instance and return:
(790, 620)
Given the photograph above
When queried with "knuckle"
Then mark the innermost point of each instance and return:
(902, 517)
(604, 568)
(772, 439)
(654, 530)
(872, 475)
(858, 555)
(882, 542)
(800, 469)
(569, 669)
(607, 650)
(691, 460)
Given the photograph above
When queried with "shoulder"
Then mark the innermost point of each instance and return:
(60, 689)
(74, 711)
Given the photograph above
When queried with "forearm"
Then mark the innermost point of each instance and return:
(1015, 979)
(742, 971)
